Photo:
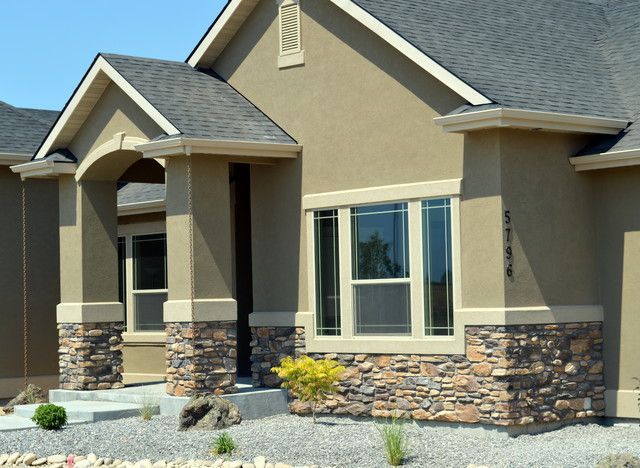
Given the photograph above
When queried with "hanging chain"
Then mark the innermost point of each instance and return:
(191, 267)
(25, 348)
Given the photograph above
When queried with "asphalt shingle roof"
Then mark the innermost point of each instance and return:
(569, 56)
(197, 102)
(136, 192)
(22, 130)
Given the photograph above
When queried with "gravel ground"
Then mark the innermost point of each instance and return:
(332, 442)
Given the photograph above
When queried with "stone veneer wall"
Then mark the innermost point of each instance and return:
(201, 358)
(90, 355)
(510, 375)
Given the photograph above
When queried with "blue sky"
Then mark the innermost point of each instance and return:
(47, 45)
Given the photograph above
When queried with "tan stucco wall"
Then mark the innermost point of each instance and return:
(113, 113)
(551, 208)
(43, 277)
(616, 195)
(363, 114)
(144, 362)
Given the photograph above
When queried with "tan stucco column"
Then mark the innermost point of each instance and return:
(201, 335)
(90, 318)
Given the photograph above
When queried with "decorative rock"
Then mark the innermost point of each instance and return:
(39, 461)
(3, 458)
(260, 462)
(208, 412)
(13, 458)
(56, 459)
(31, 394)
(29, 458)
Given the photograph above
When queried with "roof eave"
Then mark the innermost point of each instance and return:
(607, 160)
(186, 146)
(137, 208)
(531, 120)
(43, 169)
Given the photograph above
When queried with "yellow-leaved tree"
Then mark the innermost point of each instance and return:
(308, 379)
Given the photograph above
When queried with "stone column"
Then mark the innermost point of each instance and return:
(201, 336)
(90, 318)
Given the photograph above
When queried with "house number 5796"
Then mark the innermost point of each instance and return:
(508, 251)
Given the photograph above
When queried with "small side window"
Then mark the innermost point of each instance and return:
(291, 53)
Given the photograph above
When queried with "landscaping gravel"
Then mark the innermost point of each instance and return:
(331, 442)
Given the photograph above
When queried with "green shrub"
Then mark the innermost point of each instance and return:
(50, 417)
(308, 379)
(223, 445)
(620, 460)
(395, 441)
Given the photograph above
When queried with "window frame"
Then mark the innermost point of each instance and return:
(131, 334)
(413, 195)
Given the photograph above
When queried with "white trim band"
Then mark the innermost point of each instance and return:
(179, 146)
(527, 119)
(204, 310)
(155, 206)
(10, 159)
(404, 192)
(455, 344)
(44, 169)
(606, 160)
(90, 312)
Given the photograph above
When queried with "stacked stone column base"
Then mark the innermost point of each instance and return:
(90, 355)
(201, 358)
(509, 376)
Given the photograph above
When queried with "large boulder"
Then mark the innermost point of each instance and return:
(207, 413)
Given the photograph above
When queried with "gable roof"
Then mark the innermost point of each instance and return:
(182, 100)
(22, 130)
(569, 57)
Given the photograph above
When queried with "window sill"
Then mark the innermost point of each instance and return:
(144, 337)
(291, 60)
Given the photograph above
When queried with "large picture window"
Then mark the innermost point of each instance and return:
(385, 270)
(143, 280)
(380, 269)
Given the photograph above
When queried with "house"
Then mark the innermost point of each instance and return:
(140, 217)
(438, 194)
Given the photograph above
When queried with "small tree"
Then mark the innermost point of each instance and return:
(308, 379)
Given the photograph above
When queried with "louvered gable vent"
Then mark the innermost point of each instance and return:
(289, 28)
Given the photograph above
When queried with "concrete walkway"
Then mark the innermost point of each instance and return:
(102, 405)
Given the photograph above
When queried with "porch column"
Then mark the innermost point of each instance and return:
(201, 336)
(90, 318)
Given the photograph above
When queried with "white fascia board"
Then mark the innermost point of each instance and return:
(101, 65)
(377, 27)
(187, 146)
(10, 159)
(213, 34)
(527, 119)
(606, 160)
(43, 169)
(414, 54)
(155, 206)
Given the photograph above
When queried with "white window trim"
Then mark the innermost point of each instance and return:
(128, 232)
(418, 342)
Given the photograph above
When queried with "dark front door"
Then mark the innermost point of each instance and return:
(244, 283)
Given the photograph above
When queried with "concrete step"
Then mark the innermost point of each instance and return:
(89, 411)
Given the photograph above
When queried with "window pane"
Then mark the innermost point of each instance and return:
(380, 241)
(382, 309)
(149, 258)
(327, 273)
(438, 278)
(149, 311)
(122, 278)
